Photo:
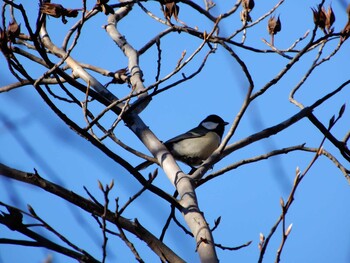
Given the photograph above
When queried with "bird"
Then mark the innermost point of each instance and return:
(196, 145)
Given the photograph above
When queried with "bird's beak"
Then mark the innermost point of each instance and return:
(225, 123)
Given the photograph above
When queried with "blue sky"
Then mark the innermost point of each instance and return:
(247, 199)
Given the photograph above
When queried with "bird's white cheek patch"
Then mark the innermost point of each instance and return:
(210, 125)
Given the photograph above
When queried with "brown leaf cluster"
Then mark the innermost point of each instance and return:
(170, 9)
(274, 25)
(9, 36)
(121, 76)
(346, 31)
(57, 10)
(101, 5)
(3, 42)
(13, 30)
(324, 19)
(248, 6)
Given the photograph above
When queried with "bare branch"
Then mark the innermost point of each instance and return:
(158, 247)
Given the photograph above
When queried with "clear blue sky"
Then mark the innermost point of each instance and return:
(247, 198)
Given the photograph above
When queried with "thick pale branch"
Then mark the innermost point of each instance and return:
(188, 200)
(130, 53)
(77, 69)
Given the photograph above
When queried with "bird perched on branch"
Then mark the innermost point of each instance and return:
(196, 145)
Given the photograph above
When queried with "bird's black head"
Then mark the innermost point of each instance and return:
(214, 123)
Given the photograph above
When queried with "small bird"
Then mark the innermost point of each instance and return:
(196, 145)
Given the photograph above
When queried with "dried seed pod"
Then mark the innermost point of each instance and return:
(345, 33)
(3, 42)
(248, 5)
(13, 30)
(163, 2)
(245, 16)
(2, 35)
(121, 76)
(170, 8)
(101, 5)
(72, 12)
(57, 10)
(320, 18)
(54, 10)
(330, 19)
(273, 27)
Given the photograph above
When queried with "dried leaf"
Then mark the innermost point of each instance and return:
(274, 25)
(163, 2)
(3, 43)
(245, 16)
(248, 5)
(101, 5)
(121, 76)
(2, 34)
(13, 30)
(102, 2)
(345, 33)
(171, 9)
(330, 19)
(3, 39)
(57, 10)
(106, 9)
(319, 15)
(72, 12)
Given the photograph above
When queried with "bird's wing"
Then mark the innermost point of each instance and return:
(194, 133)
